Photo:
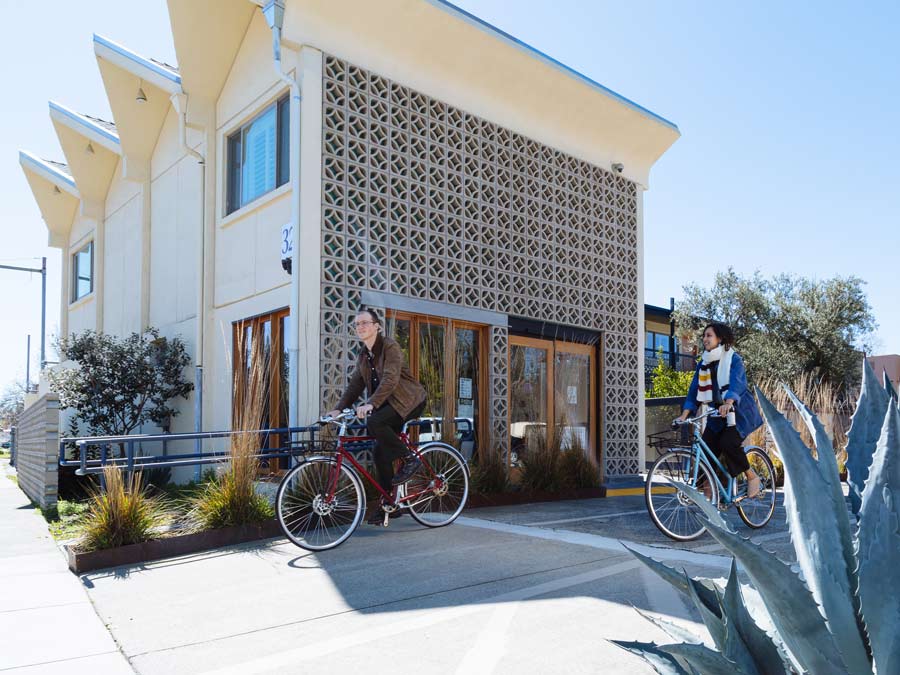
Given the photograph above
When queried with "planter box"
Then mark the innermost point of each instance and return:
(170, 547)
(477, 501)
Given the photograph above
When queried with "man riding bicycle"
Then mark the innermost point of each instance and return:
(393, 397)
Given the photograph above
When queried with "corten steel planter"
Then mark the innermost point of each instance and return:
(170, 547)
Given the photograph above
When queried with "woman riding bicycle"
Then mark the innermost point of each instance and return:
(393, 397)
(721, 381)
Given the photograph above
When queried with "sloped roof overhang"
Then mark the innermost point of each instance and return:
(56, 195)
(92, 151)
(138, 122)
(207, 36)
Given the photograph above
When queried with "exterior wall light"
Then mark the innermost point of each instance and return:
(618, 167)
(141, 96)
(89, 149)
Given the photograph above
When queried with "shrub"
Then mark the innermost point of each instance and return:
(489, 474)
(575, 468)
(666, 381)
(840, 616)
(123, 514)
(228, 500)
(540, 461)
(826, 401)
(119, 384)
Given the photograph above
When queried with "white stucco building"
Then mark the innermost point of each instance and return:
(486, 197)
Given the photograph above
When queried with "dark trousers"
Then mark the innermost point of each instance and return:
(725, 442)
(385, 424)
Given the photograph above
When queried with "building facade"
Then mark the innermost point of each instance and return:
(486, 198)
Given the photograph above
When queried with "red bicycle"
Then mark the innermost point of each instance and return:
(321, 501)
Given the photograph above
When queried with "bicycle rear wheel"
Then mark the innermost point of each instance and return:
(445, 491)
(308, 517)
(671, 510)
(756, 512)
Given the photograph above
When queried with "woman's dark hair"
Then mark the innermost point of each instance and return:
(371, 312)
(723, 332)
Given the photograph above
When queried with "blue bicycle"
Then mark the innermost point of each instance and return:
(676, 515)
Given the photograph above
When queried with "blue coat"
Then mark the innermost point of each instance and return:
(747, 417)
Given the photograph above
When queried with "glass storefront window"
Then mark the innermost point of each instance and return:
(528, 409)
(284, 367)
(446, 357)
(260, 385)
(431, 367)
(467, 372)
(572, 373)
(552, 387)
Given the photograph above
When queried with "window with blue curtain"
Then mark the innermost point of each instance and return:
(258, 156)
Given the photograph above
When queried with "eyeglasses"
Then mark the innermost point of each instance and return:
(360, 324)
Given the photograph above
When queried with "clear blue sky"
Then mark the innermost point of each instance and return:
(788, 160)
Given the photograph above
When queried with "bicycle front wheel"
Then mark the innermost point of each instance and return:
(443, 484)
(671, 510)
(319, 507)
(757, 511)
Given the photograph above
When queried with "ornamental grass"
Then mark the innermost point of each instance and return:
(122, 514)
(489, 473)
(230, 497)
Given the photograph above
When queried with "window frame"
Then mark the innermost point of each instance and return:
(482, 333)
(74, 296)
(234, 143)
(594, 352)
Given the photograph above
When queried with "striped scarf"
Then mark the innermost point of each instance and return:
(723, 373)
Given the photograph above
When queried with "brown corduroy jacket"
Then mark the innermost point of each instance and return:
(396, 384)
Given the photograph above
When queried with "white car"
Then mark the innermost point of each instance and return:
(430, 429)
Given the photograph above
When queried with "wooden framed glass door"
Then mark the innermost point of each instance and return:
(260, 373)
(449, 358)
(552, 388)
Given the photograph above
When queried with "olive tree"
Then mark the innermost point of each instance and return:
(787, 325)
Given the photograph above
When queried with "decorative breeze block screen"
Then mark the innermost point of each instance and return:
(425, 200)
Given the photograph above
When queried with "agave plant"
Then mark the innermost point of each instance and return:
(843, 614)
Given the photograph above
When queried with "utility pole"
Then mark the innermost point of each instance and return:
(43, 272)
(28, 366)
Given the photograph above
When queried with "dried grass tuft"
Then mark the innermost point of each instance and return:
(829, 403)
(230, 498)
(122, 514)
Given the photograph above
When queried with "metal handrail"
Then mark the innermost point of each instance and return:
(130, 460)
(295, 446)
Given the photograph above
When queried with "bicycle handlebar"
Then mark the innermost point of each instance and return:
(712, 412)
(346, 415)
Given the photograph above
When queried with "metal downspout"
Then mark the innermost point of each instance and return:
(179, 102)
(274, 14)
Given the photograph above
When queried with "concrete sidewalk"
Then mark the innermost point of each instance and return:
(47, 622)
(537, 588)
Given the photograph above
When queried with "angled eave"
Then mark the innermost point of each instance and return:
(207, 36)
(445, 52)
(92, 152)
(138, 123)
(56, 195)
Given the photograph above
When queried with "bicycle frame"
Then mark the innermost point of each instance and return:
(701, 451)
(343, 454)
